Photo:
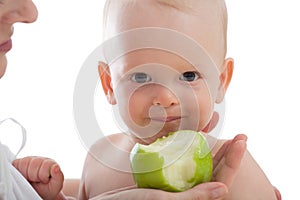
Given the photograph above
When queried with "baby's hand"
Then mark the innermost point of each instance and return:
(43, 174)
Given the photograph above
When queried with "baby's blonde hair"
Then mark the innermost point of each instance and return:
(187, 6)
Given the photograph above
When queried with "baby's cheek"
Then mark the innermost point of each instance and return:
(202, 109)
(205, 119)
(138, 109)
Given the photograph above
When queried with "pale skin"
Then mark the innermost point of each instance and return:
(102, 176)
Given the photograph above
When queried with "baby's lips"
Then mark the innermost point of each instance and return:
(166, 119)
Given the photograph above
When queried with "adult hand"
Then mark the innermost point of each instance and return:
(228, 159)
(43, 174)
(206, 191)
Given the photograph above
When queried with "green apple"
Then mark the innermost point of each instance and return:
(174, 163)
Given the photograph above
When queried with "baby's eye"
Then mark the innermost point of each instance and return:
(141, 77)
(189, 76)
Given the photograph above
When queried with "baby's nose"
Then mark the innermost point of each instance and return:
(164, 97)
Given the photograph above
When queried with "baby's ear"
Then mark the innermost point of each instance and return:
(105, 78)
(225, 78)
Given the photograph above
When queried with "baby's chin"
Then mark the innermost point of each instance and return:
(3, 63)
(142, 139)
(151, 132)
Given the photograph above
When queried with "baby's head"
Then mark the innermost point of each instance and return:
(203, 20)
(158, 90)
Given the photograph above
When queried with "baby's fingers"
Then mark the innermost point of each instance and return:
(44, 174)
(51, 188)
(22, 165)
(57, 177)
(35, 169)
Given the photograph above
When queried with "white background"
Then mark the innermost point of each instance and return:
(262, 100)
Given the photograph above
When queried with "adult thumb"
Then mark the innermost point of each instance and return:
(205, 191)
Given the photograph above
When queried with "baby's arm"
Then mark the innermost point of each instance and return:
(71, 188)
(44, 175)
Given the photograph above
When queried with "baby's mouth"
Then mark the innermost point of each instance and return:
(166, 119)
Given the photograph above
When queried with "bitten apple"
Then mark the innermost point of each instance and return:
(173, 163)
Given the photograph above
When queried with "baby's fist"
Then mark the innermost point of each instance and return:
(43, 174)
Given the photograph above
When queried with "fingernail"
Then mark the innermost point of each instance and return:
(218, 192)
(56, 169)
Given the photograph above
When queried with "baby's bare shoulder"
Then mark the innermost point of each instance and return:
(111, 143)
(107, 142)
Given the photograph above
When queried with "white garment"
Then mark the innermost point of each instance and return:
(13, 186)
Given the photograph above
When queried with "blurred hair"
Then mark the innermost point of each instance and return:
(187, 6)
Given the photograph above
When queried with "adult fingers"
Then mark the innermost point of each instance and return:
(224, 148)
(228, 166)
(206, 191)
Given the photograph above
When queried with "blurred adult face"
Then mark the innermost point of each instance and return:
(11, 12)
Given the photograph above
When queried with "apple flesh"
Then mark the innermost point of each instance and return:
(174, 163)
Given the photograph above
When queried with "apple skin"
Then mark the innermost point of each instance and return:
(149, 170)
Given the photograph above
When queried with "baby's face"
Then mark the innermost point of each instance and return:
(157, 91)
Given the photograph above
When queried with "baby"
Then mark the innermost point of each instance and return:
(171, 71)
